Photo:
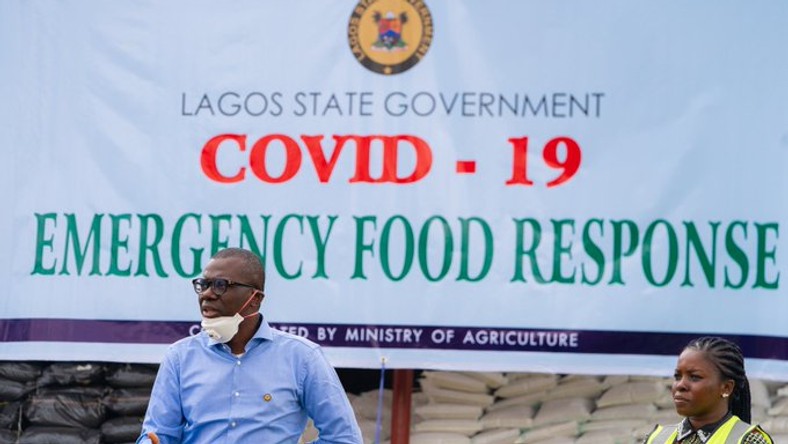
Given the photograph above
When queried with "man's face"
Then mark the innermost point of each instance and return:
(698, 388)
(229, 303)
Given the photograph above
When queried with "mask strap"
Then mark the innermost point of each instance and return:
(247, 303)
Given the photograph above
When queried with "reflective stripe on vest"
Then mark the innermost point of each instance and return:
(739, 430)
(731, 432)
(663, 435)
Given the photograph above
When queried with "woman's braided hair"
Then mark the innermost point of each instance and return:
(728, 358)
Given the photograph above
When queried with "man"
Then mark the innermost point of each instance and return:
(240, 381)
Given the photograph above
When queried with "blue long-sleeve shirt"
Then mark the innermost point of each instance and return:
(205, 394)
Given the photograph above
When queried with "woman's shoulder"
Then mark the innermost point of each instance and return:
(757, 436)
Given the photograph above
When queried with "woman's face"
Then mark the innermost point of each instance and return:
(699, 392)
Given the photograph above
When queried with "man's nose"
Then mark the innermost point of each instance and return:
(208, 294)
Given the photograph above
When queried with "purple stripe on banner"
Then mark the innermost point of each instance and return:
(396, 336)
(80, 330)
(523, 339)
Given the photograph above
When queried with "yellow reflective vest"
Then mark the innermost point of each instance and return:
(732, 431)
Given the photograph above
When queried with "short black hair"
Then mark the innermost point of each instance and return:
(252, 267)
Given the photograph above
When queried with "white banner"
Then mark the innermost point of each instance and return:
(567, 187)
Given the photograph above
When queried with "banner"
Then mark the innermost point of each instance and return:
(524, 186)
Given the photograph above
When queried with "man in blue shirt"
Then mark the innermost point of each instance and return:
(240, 381)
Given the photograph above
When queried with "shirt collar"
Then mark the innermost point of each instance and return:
(264, 332)
(704, 433)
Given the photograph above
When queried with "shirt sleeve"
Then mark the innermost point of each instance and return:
(164, 416)
(327, 404)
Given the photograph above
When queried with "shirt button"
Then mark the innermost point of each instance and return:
(232, 424)
(238, 362)
(237, 394)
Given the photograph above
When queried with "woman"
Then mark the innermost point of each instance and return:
(711, 391)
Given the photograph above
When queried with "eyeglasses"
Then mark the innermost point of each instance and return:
(218, 285)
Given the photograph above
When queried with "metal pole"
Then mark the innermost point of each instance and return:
(400, 407)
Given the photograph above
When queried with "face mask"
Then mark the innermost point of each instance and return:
(224, 328)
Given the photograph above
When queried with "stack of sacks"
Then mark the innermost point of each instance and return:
(127, 401)
(417, 399)
(563, 408)
(432, 411)
(637, 390)
(67, 405)
(577, 386)
(438, 438)
(458, 408)
(515, 417)
(666, 409)
(17, 381)
(518, 399)
(627, 410)
(561, 433)
(777, 421)
(365, 406)
(455, 403)
(455, 388)
(759, 399)
(523, 389)
(493, 380)
(611, 380)
(525, 384)
(501, 425)
(610, 436)
(621, 416)
(558, 418)
(513, 411)
(664, 414)
(496, 436)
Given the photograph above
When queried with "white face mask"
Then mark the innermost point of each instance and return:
(224, 328)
